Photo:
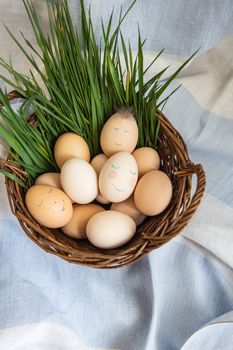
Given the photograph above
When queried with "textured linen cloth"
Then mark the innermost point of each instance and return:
(181, 295)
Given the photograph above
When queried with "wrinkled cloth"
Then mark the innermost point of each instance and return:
(181, 295)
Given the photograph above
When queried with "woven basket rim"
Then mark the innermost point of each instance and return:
(150, 235)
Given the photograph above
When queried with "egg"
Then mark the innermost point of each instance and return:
(97, 163)
(147, 159)
(49, 206)
(153, 193)
(119, 133)
(110, 229)
(50, 179)
(118, 177)
(76, 227)
(79, 181)
(70, 145)
(128, 207)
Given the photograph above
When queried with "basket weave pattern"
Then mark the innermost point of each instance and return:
(151, 234)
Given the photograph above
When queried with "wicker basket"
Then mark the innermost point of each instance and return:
(151, 234)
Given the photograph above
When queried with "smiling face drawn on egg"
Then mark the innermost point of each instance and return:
(118, 177)
(119, 171)
(60, 209)
(49, 206)
(120, 133)
(55, 206)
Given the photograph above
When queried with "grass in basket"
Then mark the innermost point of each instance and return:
(84, 83)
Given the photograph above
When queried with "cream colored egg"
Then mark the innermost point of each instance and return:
(49, 206)
(128, 207)
(97, 163)
(110, 229)
(79, 181)
(76, 227)
(147, 159)
(118, 177)
(119, 133)
(50, 179)
(153, 193)
(70, 145)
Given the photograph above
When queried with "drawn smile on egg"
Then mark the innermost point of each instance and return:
(118, 144)
(60, 210)
(118, 188)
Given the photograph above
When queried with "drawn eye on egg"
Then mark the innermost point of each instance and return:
(132, 172)
(115, 166)
(126, 131)
(116, 129)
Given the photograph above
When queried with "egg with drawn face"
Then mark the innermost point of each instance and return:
(49, 206)
(119, 134)
(118, 177)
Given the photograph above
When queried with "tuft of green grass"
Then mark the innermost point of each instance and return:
(83, 85)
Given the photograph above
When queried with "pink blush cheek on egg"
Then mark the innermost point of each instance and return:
(112, 174)
(132, 181)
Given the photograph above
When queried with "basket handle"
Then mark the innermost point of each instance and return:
(198, 170)
(191, 169)
(173, 230)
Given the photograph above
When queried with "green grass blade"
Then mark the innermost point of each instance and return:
(13, 178)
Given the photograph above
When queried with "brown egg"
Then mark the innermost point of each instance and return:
(153, 193)
(70, 145)
(50, 179)
(97, 163)
(49, 206)
(128, 207)
(147, 159)
(119, 134)
(76, 228)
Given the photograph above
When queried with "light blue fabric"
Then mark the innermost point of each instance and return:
(157, 303)
(181, 27)
(181, 295)
(209, 139)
